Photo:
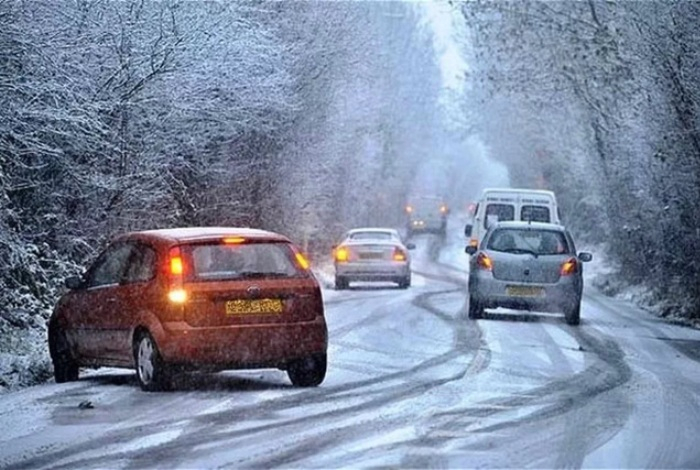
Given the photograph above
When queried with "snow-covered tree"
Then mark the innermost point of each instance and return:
(599, 101)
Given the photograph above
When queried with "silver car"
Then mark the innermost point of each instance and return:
(372, 254)
(527, 266)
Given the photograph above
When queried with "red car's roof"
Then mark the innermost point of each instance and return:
(186, 234)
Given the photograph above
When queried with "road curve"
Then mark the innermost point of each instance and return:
(412, 383)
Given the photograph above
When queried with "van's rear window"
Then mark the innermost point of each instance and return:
(535, 213)
(497, 213)
(218, 261)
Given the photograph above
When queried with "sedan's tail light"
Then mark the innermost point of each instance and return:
(568, 267)
(176, 272)
(399, 255)
(484, 262)
(342, 254)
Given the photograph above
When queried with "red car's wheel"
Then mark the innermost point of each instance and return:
(151, 372)
(308, 372)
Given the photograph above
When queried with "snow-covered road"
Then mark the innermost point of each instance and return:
(412, 383)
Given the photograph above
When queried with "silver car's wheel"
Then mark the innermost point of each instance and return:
(341, 283)
(476, 310)
(150, 370)
(573, 314)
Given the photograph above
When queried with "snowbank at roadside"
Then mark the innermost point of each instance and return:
(603, 273)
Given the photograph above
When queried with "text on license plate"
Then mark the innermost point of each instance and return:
(524, 291)
(254, 306)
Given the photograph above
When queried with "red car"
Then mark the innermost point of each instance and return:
(162, 301)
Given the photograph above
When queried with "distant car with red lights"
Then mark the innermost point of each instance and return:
(372, 255)
(526, 266)
(213, 298)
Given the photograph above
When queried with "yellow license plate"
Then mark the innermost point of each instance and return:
(254, 307)
(524, 291)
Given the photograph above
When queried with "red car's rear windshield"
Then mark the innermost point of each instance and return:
(221, 261)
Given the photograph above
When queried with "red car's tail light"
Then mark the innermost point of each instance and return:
(568, 267)
(177, 296)
(176, 268)
(342, 254)
(302, 261)
(399, 255)
(484, 262)
(176, 271)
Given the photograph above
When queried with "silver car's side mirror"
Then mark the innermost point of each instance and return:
(470, 250)
(585, 256)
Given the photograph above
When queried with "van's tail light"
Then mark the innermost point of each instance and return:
(474, 242)
(409, 209)
(176, 272)
(484, 262)
(568, 267)
(399, 255)
(342, 254)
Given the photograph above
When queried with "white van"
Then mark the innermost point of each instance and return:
(496, 204)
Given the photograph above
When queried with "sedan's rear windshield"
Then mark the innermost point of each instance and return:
(219, 261)
(372, 236)
(538, 242)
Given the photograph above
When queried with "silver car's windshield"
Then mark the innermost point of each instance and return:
(537, 242)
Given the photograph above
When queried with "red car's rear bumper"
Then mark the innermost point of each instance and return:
(242, 346)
